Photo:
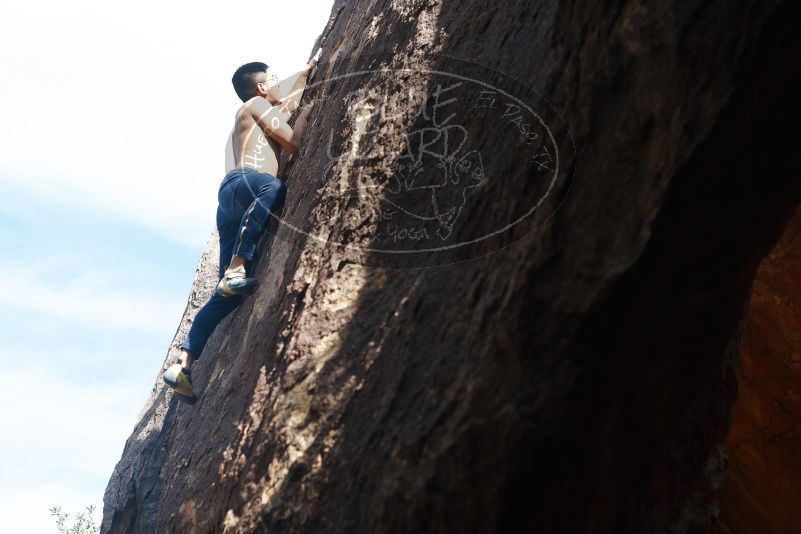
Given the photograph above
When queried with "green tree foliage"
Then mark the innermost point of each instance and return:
(83, 522)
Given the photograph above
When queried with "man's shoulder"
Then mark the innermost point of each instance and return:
(255, 102)
(244, 113)
(242, 110)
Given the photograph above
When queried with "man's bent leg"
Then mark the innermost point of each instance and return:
(217, 307)
(206, 320)
(269, 198)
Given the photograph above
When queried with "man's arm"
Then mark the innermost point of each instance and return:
(273, 123)
(291, 102)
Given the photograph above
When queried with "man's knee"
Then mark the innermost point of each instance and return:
(277, 189)
(275, 185)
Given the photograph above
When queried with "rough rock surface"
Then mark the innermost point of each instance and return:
(575, 378)
(762, 489)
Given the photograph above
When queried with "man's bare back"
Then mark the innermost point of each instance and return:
(251, 147)
(260, 131)
(260, 125)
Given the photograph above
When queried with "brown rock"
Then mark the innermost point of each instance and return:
(571, 372)
(762, 489)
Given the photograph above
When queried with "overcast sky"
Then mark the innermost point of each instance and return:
(114, 122)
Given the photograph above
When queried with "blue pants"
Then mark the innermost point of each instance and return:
(245, 200)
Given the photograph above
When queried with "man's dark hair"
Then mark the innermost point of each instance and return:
(244, 79)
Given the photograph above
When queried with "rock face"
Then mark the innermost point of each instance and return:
(514, 310)
(762, 489)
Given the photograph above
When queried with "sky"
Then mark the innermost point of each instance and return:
(114, 122)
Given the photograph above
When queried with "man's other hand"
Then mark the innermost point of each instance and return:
(313, 61)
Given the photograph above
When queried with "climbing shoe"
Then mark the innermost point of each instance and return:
(180, 379)
(234, 282)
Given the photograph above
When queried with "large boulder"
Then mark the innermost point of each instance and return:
(507, 289)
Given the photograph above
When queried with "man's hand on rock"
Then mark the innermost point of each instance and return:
(313, 61)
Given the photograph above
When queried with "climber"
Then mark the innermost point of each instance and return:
(247, 195)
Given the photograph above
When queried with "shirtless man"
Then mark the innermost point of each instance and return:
(248, 194)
